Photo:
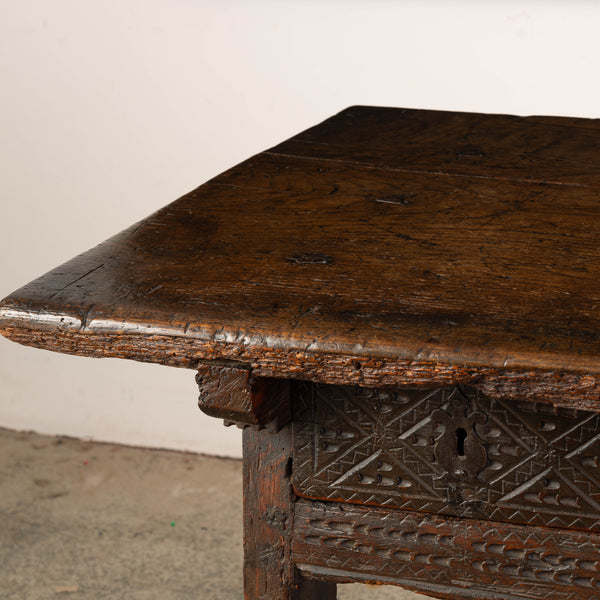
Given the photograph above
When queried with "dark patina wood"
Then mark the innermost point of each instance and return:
(434, 280)
(444, 557)
(448, 451)
(269, 573)
(380, 247)
(231, 393)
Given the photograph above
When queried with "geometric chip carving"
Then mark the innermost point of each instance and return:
(449, 451)
(443, 556)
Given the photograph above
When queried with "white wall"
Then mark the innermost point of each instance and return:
(112, 109)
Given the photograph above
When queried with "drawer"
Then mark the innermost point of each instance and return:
(447, 451)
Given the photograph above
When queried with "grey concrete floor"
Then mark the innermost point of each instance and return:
(93, 521)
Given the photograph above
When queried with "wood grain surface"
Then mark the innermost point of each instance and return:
(230, 393)
(269, 573)
(382, 246)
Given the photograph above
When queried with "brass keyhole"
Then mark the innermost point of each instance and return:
(461, 436)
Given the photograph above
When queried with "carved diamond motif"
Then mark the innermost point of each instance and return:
(448, 451)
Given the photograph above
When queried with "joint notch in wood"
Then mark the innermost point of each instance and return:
(231, 393)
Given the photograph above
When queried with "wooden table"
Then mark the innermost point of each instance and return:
(402, 309)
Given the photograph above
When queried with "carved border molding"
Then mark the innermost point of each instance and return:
(444, 557)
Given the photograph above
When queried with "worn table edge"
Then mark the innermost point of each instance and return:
(551, 378)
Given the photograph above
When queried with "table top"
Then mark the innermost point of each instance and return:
(380, 237)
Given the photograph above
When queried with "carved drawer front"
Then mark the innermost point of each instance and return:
(448, 451)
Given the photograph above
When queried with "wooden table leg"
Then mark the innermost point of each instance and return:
(269, 573)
